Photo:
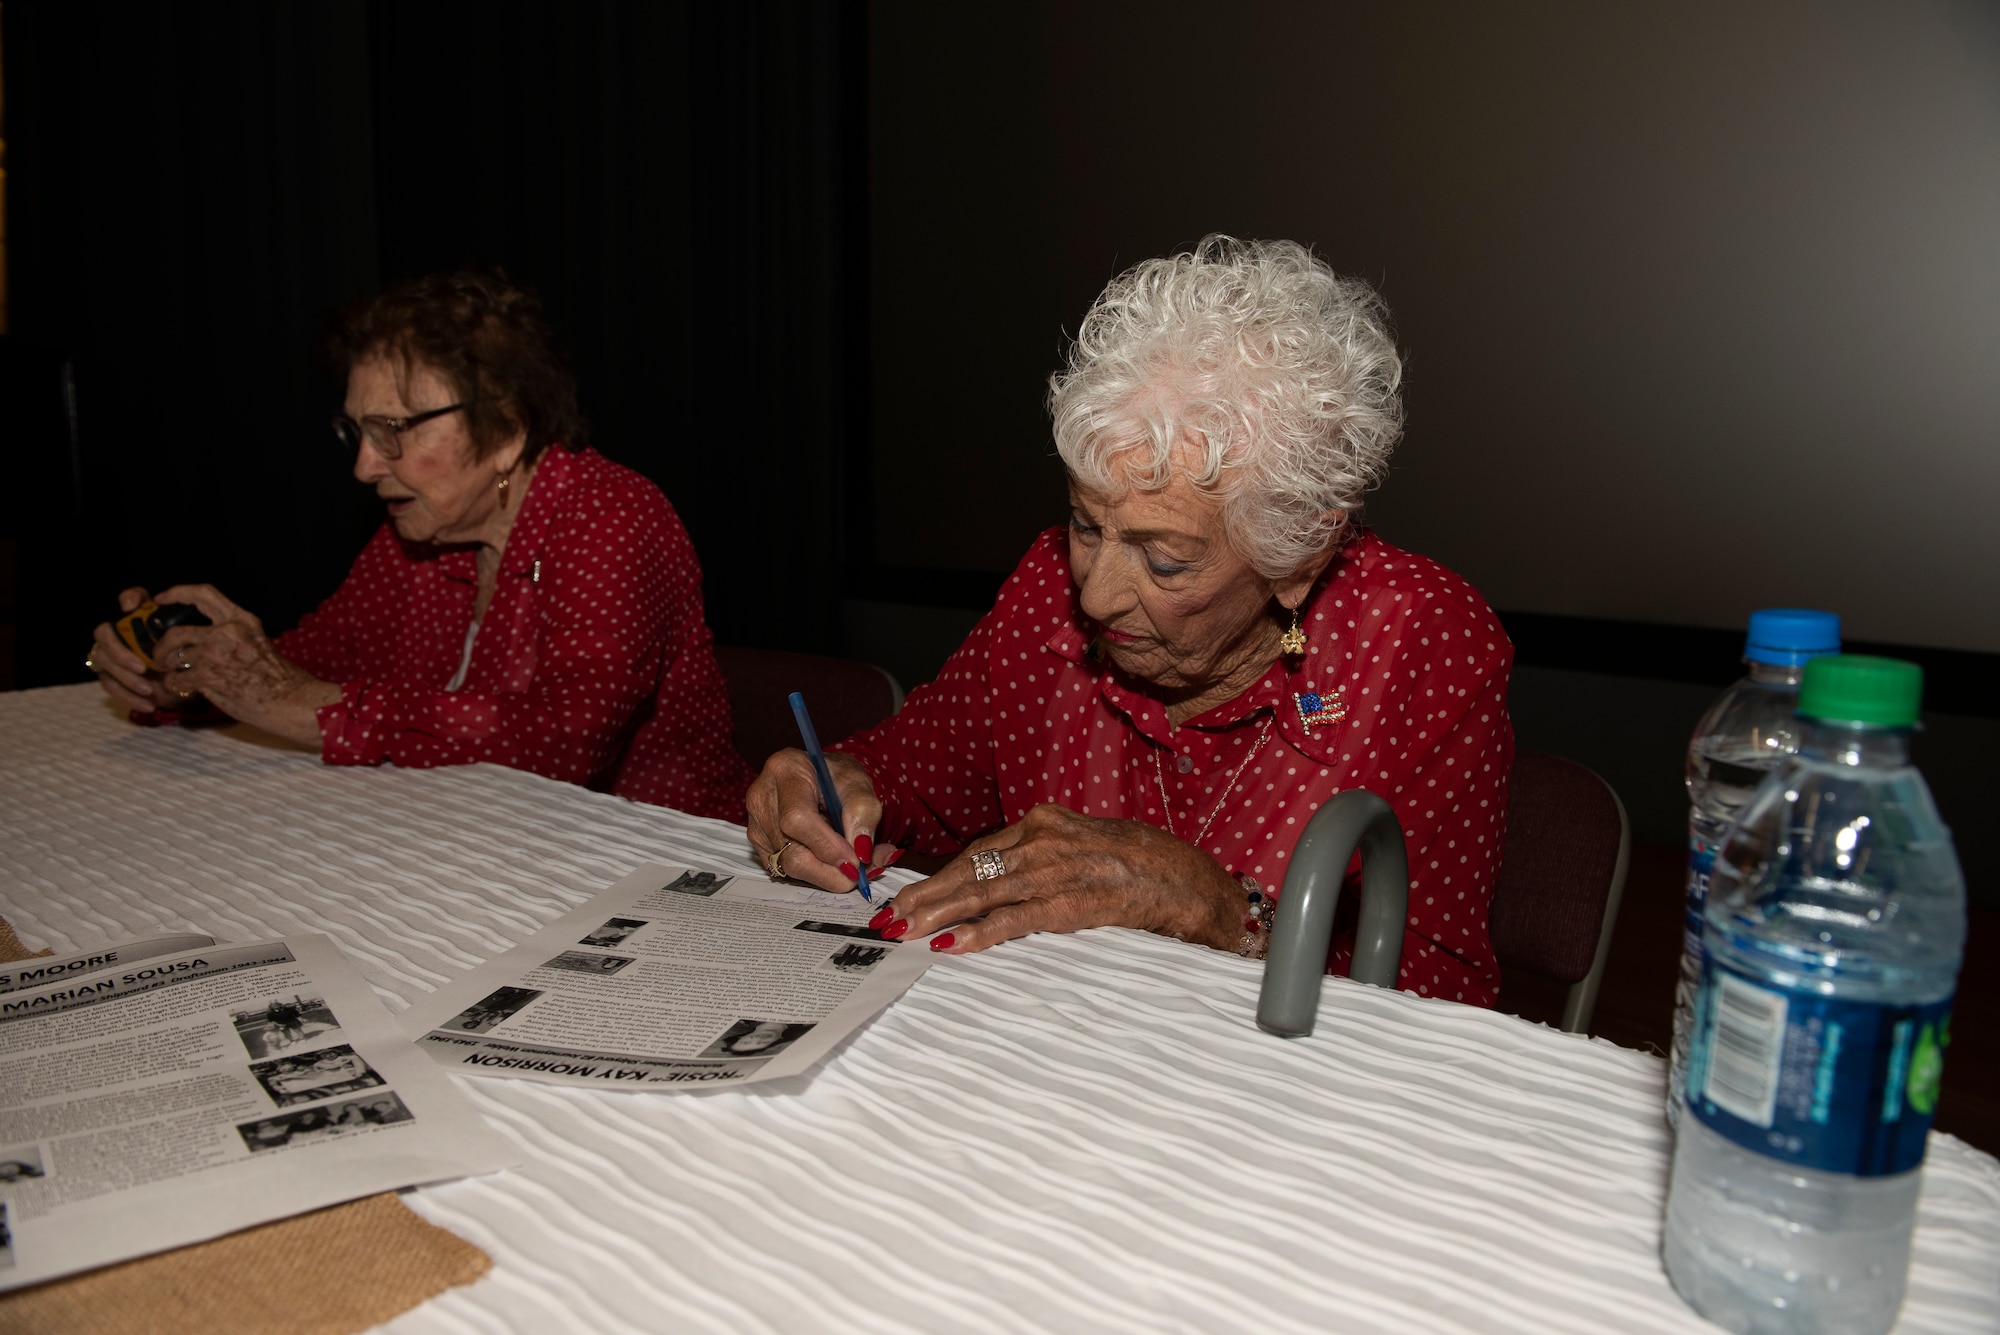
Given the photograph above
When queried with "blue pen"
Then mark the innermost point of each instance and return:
(827, 795)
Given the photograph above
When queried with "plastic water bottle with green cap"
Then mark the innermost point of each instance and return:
(1834, 929)
(1745, 733)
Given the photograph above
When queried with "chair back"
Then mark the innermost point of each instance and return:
(1562, 875)
(845, 697)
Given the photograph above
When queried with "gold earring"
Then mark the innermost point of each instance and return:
(1293, 641)
(503, 491)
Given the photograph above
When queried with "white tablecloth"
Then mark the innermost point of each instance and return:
(1066, 1133)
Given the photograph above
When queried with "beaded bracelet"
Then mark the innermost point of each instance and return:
(1262, 907)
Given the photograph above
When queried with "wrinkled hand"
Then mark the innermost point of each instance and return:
(785, 809)
(122, 673)
(233, 664)
(1065, 872)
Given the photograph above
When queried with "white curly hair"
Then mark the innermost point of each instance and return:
(1270, 379)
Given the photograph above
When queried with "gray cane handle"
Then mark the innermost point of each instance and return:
(1296, 961)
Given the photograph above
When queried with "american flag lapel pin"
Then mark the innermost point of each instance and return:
(1319, 711)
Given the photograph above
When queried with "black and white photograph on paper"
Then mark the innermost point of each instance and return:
(6, 1239)
(839, 929)
(282, 1023)
(21, 1163)
(612, 933)
(754, 983)
(755, 1038)
(703, 883)
(582, 961)
(491, 1009)
(322, 1122)
(856, 958)
(312, 1076)
(131, 1123)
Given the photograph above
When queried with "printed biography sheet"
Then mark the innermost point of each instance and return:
(672, 979)
(40, 970)
(155, 1099)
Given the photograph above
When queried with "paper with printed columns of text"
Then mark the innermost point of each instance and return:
(150, 1100)
(673, 978)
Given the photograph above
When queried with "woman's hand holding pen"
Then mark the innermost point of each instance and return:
(786, 817)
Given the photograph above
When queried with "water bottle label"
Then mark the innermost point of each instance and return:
(1701, 865)
(1844, 1086)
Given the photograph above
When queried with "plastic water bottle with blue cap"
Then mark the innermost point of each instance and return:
(1742, 737)
(1834, 930)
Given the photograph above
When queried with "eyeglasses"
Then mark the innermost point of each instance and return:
(384, 434)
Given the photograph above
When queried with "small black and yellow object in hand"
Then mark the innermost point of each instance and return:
(145, 625)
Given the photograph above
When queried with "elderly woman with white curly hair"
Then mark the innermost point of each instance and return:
(1170, 686)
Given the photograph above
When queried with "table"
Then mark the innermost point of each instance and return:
(1067, 1133)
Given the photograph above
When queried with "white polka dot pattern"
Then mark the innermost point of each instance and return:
(1022, 715)
(593, 663)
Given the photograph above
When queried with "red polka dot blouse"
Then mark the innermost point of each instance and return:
(1408, 655)
(593, 663)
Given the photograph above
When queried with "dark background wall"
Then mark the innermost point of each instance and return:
(195, 188)
(1701, 302)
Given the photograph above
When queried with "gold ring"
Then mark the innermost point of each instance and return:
(776, 866)
(987, 865)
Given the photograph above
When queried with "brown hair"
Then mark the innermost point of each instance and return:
(490, 342)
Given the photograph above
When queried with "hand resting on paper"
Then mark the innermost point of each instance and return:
(1064, 872)
(785, 816)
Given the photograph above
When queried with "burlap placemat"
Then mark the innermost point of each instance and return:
(331, 1272)
(11, 948)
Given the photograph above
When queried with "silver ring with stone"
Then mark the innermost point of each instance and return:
(986, 865)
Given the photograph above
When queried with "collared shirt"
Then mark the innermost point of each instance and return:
(1405, 651)
(592, 664)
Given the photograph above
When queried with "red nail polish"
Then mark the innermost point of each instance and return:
(892, 859)
(895, 929)
(881, 919)
(850, 871)
(943, 942)
(864, 848)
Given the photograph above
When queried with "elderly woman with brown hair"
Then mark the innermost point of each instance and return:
(526, 602)
(1167, 689)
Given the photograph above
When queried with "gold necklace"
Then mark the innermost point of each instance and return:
(1166, 808)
